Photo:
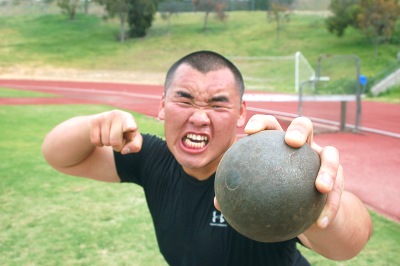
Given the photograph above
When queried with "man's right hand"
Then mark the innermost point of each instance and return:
(117, 129)
(83, 145)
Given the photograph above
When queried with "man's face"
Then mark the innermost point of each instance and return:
(201, 113)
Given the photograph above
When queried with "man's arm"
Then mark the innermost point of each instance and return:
(83, 146)
(344, 225)
(346, 235)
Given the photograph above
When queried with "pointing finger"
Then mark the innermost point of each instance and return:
(134, 144)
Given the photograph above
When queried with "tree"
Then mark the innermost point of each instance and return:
(279, 12)
(377, 19)
(69, 7)
(208, 6)
(140, 16)
(117, 8)
(260, 4)
(86, 6)
(345, 14)
(167, 10)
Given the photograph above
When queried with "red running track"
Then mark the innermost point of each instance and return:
(371, 157)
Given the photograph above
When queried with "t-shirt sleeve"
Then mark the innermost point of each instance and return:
(131, 167)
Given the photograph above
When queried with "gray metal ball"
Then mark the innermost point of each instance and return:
(266, 189)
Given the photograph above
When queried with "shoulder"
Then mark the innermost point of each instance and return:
(153, 154)
(153, 145)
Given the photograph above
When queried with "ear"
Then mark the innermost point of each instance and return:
(242, 118)
(161, 113)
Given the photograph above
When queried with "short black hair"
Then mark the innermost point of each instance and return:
(205, 61)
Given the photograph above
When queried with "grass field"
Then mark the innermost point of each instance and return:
(12, 93)
(52, 219)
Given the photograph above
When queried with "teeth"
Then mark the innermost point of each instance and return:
(195, 141)
(197, 137)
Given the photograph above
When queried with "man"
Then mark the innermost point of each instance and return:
(201, 108)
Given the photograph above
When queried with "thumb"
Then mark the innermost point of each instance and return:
(216, 204)
(133, 142)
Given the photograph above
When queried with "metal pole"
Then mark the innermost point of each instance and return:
(358, 95)
(343, 111)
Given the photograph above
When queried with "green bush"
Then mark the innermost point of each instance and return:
(140, 16)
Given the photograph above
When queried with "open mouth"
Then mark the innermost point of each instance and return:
(195, 141)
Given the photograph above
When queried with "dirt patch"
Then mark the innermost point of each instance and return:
(69, 74)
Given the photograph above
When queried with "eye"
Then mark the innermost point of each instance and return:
(183, 98)
(184, 102)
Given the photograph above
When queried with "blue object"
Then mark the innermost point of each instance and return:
(363, 80)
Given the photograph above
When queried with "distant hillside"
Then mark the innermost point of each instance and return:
(311, 4)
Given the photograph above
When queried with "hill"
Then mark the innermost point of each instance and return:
(40, 44)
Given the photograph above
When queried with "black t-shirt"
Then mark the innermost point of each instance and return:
(189, 230)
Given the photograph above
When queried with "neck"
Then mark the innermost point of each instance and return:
(200, 174)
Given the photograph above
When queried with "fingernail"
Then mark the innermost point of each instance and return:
(251, 124)
(323, 223)
(326, 179)
(126, 150)
(295, 134)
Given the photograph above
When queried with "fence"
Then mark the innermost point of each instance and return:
(329, 95)
(335, 94)
(37, 7)
(40, 7)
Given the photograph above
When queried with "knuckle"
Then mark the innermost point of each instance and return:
(302, 123)
(302, 120)
(116, 148)
(332, 150)
(114, 112)
(260, 117)
(115, 144)
(333, 202)
(106, 142)
(95, 140)
(109, 116)
(330, 157)
(337, 188)
(334, 208)
(270, 118)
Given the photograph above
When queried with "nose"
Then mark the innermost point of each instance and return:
(199, 118)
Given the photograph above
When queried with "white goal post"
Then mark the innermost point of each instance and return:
(299, 77)
(275, 73)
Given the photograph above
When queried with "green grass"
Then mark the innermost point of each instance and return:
(385, 239)
(48, 218)
(392, 95)
(53, 40)
(15, 93)
(51, 219)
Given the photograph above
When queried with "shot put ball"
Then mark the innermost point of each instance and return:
(266, 189)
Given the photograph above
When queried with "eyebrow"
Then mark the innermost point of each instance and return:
(187, 95)
(221, 98)
(184, 94)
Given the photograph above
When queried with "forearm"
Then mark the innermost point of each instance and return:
(68, 144)
(346, 235)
